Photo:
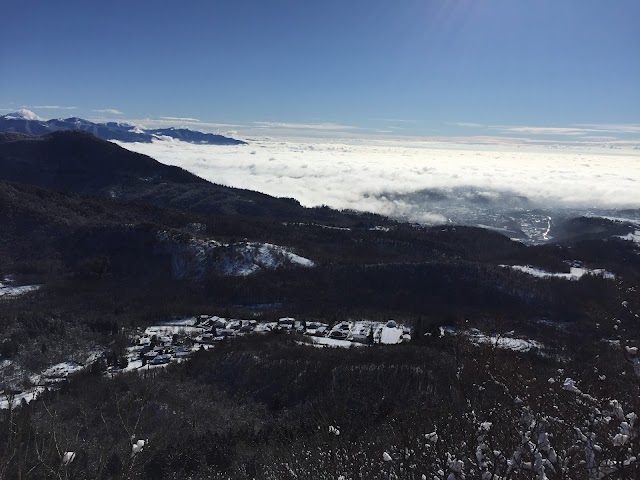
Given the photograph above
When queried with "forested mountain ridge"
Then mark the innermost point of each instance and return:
(79, 162)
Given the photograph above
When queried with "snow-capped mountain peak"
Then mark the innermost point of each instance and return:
(23, 114)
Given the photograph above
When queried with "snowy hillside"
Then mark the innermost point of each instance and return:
(194, 257)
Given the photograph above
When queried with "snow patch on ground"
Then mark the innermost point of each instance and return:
(133, 365)
(7, 289)
(194, 257)
(46, 378)
(575, 273)
(248, 258)
(17, 399)
(632, 237)
(61, 370)
(332, 342)
(505, 342)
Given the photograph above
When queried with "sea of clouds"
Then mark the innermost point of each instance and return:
(411, 180)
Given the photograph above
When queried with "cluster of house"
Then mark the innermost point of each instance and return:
(370, 332)
(176, 340)
(162, 352)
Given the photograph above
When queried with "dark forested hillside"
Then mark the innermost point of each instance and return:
(79, 162)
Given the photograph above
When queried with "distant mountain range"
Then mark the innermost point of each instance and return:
(27, 122)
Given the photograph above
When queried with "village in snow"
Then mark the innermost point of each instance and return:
(172, 341)
(177, 339)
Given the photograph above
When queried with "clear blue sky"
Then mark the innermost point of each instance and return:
(356, 63)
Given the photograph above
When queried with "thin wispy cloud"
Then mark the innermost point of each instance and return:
(50, 107)
(398, 120)
(466, 124)
(181, 119)
(600, 138)
(110, 111)
(164, 122)
(617, 128)
(622, 136)
(572, 131)
(305, 126)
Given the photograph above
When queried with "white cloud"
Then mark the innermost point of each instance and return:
(466, 124)
(181, 119)
(617, 128)
(50, 107)
(111, 111)
(387, 177)
(398, 120)
(546, 130)
(305, 126)
(571, 130)
(24, 114)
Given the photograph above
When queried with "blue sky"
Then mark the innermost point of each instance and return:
(467, 68)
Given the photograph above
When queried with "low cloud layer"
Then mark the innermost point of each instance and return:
(405, 180)
(110, 111)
